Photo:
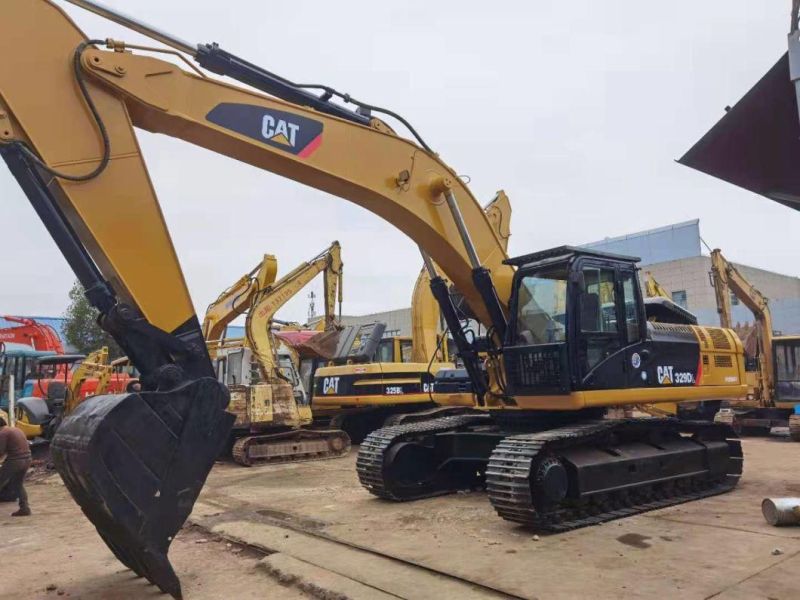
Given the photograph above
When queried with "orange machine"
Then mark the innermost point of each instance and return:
(31, 333)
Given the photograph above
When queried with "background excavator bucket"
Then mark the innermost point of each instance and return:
(756, 145)
(135, 463)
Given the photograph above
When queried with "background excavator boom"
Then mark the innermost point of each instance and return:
(269, 300)
(31, 333)
(235, 300)
(727, 279)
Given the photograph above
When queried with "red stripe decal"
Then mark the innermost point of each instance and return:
(699, 369)
(311, 147)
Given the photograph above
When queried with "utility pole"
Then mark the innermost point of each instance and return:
(312, 308)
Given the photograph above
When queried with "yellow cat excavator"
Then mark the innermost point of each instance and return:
(399, 377)
(235, 300)
(273, 411)
(773, 396)
(566, 333)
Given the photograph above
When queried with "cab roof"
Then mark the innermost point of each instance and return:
(565, 252)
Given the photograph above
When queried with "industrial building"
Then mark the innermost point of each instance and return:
(673, 254)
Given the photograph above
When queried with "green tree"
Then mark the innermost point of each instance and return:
(81, 329)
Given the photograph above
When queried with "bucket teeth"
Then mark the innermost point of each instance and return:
(135, 463)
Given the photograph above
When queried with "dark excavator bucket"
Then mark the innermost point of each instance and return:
(135, 463)
(756, 145)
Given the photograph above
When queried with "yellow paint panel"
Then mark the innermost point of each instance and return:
(116, 215)
(578, 400)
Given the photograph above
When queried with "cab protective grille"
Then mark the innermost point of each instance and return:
(537, 370)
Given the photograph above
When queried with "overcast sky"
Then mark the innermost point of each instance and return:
(577, 109)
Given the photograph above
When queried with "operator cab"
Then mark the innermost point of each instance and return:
(786, 350)
(577, 323)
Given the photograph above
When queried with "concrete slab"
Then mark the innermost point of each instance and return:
(778, 582)
(318, 582)
(388, 576)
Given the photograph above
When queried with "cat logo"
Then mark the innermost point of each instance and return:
(279, 131)
(664, 375)
(287, 131)
(330, 385)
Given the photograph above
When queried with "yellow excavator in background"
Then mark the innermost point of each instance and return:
(235, 300)
(772, 397)
(397, 380)
(566, 331)
(653, 289)
(273, 411)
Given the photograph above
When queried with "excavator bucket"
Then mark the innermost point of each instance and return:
(756, 145)
(135, 463)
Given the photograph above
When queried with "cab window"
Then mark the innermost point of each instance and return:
(598, 301)
(405, 351)
(542, 307)
(599, 332)
(787, 362)
(630, 302)
(385, 352)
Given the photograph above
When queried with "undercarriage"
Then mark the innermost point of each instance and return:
(292, 445)
(760, 420)
(554, 478)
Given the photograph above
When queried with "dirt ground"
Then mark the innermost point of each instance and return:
(56, 553)
(309, 530)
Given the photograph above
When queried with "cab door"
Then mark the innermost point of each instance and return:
(609, 325)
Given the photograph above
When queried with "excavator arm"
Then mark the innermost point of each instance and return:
(269, 300)
(235, 300)
(727, 279)
(136, 462)
(425, 312)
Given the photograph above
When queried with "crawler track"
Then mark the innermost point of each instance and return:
(371, 464)
(518, 470)
(291, 446)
